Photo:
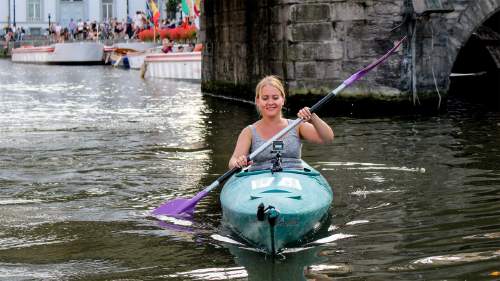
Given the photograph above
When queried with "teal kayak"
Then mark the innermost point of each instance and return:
(272, 210)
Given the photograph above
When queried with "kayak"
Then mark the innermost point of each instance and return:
(273, 210)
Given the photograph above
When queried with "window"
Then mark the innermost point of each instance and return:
(35, 31)
(107, 9)
(34, 10)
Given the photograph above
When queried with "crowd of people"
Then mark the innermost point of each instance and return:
(10, 34)
(111, 29)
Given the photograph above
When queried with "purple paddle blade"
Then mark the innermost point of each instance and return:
(175, 208)
(365, 70)
(180, 207)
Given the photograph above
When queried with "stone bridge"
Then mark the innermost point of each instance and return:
(316, 44)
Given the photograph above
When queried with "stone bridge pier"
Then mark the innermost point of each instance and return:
(315, 45)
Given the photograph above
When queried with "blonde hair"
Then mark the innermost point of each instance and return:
(270, 80)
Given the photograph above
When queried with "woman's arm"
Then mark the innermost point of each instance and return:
(314, 129)
(242, 149)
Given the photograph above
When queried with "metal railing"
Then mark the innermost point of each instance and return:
(45, 40)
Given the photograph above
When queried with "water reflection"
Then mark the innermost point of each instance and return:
(292, 266)
(298, 265)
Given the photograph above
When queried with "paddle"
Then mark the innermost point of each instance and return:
(185, 207)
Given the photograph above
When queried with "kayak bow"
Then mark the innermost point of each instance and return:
(273, 210)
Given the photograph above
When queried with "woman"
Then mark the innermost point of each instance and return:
(167, 46)
(269, 99)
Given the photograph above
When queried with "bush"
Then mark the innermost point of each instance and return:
(180, 33)
(147, 35)
(165, 33)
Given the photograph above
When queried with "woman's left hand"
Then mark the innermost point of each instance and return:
(305, 114)
(316, 130)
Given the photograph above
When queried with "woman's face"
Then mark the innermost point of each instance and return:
(270, 102)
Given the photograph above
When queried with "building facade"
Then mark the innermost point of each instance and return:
(36, 15)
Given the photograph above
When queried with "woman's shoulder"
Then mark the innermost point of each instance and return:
(245, 134)
(248, 130)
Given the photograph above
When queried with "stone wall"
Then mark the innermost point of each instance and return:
(314, 45)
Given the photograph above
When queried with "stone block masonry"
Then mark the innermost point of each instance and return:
(314, 45)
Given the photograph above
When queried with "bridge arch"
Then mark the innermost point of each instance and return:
(472, 56)
(469, 20)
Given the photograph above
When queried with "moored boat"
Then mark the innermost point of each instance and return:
(128, 54)
(119, 57)
(136, 59)
(108, 50)
(136, 46)
(60, 53)
(184, 65)
(273, 210)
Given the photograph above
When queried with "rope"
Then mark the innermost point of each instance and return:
(432, 68)
(414, 64)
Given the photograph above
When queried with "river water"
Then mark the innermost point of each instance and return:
(86, 153)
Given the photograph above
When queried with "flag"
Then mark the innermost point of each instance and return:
(152, 11)
(196, 7)
(186, 7)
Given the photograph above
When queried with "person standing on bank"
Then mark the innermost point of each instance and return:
(269, 100)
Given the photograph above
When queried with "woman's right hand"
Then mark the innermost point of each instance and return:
(242, 149)
(241, 161)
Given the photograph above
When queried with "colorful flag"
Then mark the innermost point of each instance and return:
(153, 12)
(196, 7)
(187, 7)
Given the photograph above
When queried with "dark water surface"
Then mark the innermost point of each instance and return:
(87, 152)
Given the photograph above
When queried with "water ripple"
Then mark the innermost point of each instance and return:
(87, 152)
